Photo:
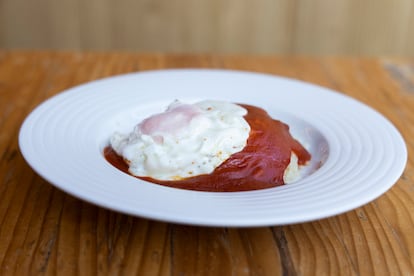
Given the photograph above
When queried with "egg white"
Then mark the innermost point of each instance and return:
(186, 140)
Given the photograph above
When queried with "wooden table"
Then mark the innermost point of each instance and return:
(45, 231)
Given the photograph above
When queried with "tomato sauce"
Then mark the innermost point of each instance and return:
(261, 164)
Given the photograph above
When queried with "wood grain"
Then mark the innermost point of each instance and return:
(45, 231)
(316, 27)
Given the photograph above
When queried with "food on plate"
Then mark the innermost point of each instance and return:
(210, 146)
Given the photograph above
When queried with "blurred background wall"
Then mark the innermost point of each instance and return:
(316, 27)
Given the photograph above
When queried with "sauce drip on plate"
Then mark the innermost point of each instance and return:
(261, 164)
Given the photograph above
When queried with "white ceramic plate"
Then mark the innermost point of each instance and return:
(357, 154)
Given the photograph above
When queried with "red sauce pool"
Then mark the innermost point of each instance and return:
(261, 164)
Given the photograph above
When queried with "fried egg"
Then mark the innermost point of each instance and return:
(184, 141)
